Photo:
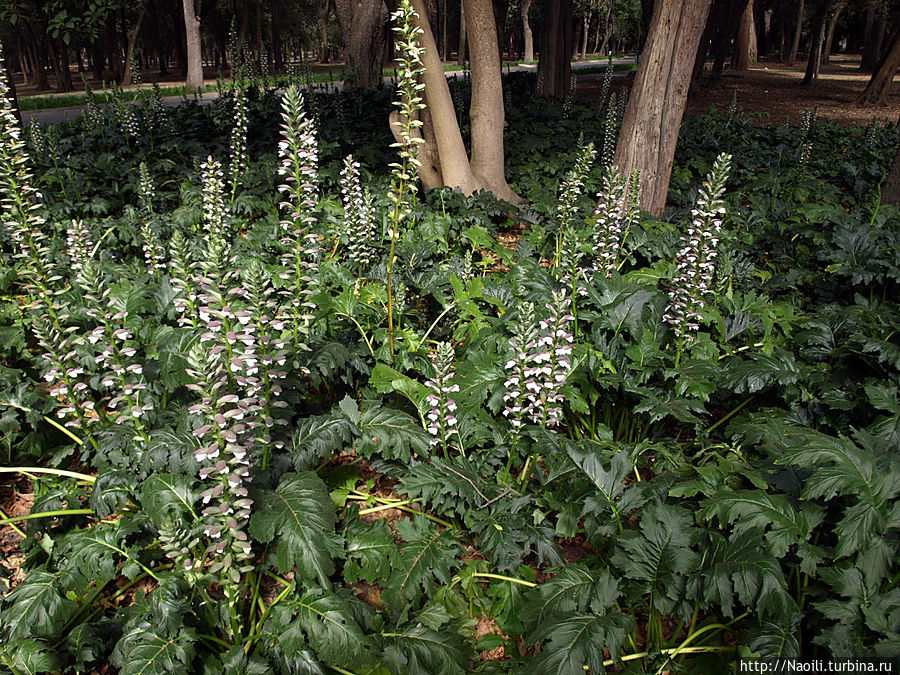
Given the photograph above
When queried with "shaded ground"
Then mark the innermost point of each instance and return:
(773, 92)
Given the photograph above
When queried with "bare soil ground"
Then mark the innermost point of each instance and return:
(772, 93)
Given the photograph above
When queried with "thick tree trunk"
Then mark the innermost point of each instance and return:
(194, 78)
(584, 35)
(132, 39)
(725, 37)
(447, 163)
(656, 106)
(795, 45)
(818, 21)
(362, 24)
(873, 38)
(555, 59)
(745, 45)
(829, 34)
(323, 33)
(486, 110)
(876, 90)
(526, 31)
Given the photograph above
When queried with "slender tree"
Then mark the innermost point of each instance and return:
(876, 89)
(194, 78)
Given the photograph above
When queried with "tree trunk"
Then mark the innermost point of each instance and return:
(795, 45)
(818, 21)
(444, 161)
(362, 24)
(725, 36)
(875, 92)
(486, 110)
(461, 54)
(584, 35)
(323, 44)
(656, 106)
(194, 79)
(11, 94)
(526, 31)
(890, 194)
(873, 38)
(829, 34)
(555, 58)
(744, 51)
(132, 39)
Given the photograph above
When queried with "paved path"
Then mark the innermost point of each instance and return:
(71, 113)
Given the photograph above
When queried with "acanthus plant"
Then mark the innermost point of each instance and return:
(359, 216)
(570, 191)
(441, 416)
(298, 153)
(238, 142)
(615, 214)
(696, 262)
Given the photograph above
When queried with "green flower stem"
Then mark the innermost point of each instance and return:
(48, 420)
(385, 507)
(731, 414)
(358, 495)
(256, 629)
(27, 470)
(342, 671)
(500, 577)
(46, 514)
(686, 650)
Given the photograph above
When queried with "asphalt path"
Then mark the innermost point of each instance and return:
(71, 113)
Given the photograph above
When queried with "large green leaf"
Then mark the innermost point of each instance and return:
(392, 434)
(36, 608)
(166, 496)
(299, 517)
(143, 651)
(323, 621)
(318, 437)
(420, 649)
(576, 644)
(428, 556)
(371, 550)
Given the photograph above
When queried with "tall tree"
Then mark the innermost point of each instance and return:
(363, 26)
(818, 20)
(745, 44)
(798, 30)
(656, 106)
(194, 78)
(555, 60)
(876, 89)
(443, 158)
(832, 25)
(524, 7)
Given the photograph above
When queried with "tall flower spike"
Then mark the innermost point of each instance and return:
(442, 423)
(696, 263)
(213, 197)
(238, 142)
(807, 121)
(572, 188)
(359, 216)
(518, 402)
(78, 244)
(613, 218)
(609, 132)
(146, 191)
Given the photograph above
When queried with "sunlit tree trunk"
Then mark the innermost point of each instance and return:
(745, 45)
(194, 78)
(526, 30)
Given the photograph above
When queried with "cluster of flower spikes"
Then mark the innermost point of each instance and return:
(696, 263)
(79, 244)
(571, 189)
(807, 120)
(213, 192)
(359, 216)
(442, 423)
(125, 114)
(298, 154)
(38, 143)
(115, 352)
(607, 84)
(615, 213)
(159, 118)
(225, 366)
(238, 141)
(539, 365)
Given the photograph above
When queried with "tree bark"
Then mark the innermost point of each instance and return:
(486, 109)
(555, 58)
(829, 34)
(323, 44)
(744, 52)
(584, 35)
(362, 24)
(656, 106)
(461, 53)
(795, 45)
(875, 92)
(11, 84)
(194, 79)
(890, 194)
(526, 31)
(132, 39)
(818, 21)
(873, 38)
(446, 164)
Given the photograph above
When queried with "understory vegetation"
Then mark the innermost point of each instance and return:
(281, 413)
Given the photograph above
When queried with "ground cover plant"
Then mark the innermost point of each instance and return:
(280, 412)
